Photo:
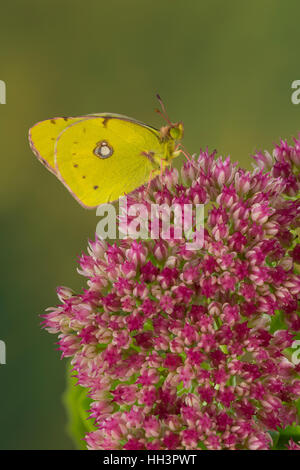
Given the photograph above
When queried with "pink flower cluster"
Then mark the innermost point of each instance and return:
(182, 349)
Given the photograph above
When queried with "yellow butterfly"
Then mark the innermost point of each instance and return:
(100, 157)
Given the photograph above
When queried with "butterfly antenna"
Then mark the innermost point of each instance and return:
(163, 113)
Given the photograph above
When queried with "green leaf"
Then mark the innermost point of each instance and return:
(277, 322)
(290, 432)
(77, 403)
(148, 325)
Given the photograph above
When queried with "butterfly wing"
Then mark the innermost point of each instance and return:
(101, 158)
(42, 137)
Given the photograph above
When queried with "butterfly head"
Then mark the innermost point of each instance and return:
(173, 131)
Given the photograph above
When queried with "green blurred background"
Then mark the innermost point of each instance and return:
(224, 68)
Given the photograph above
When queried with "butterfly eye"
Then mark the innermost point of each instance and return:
(103, 150)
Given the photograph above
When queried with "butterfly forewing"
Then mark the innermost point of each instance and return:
(100, 158)
(42, 137)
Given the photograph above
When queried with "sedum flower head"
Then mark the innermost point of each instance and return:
(184, 349)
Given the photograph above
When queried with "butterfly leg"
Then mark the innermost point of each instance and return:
(161, 167)
(150, 156)
(149, 182)
(186, 154)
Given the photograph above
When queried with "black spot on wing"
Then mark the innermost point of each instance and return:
(105, 121)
